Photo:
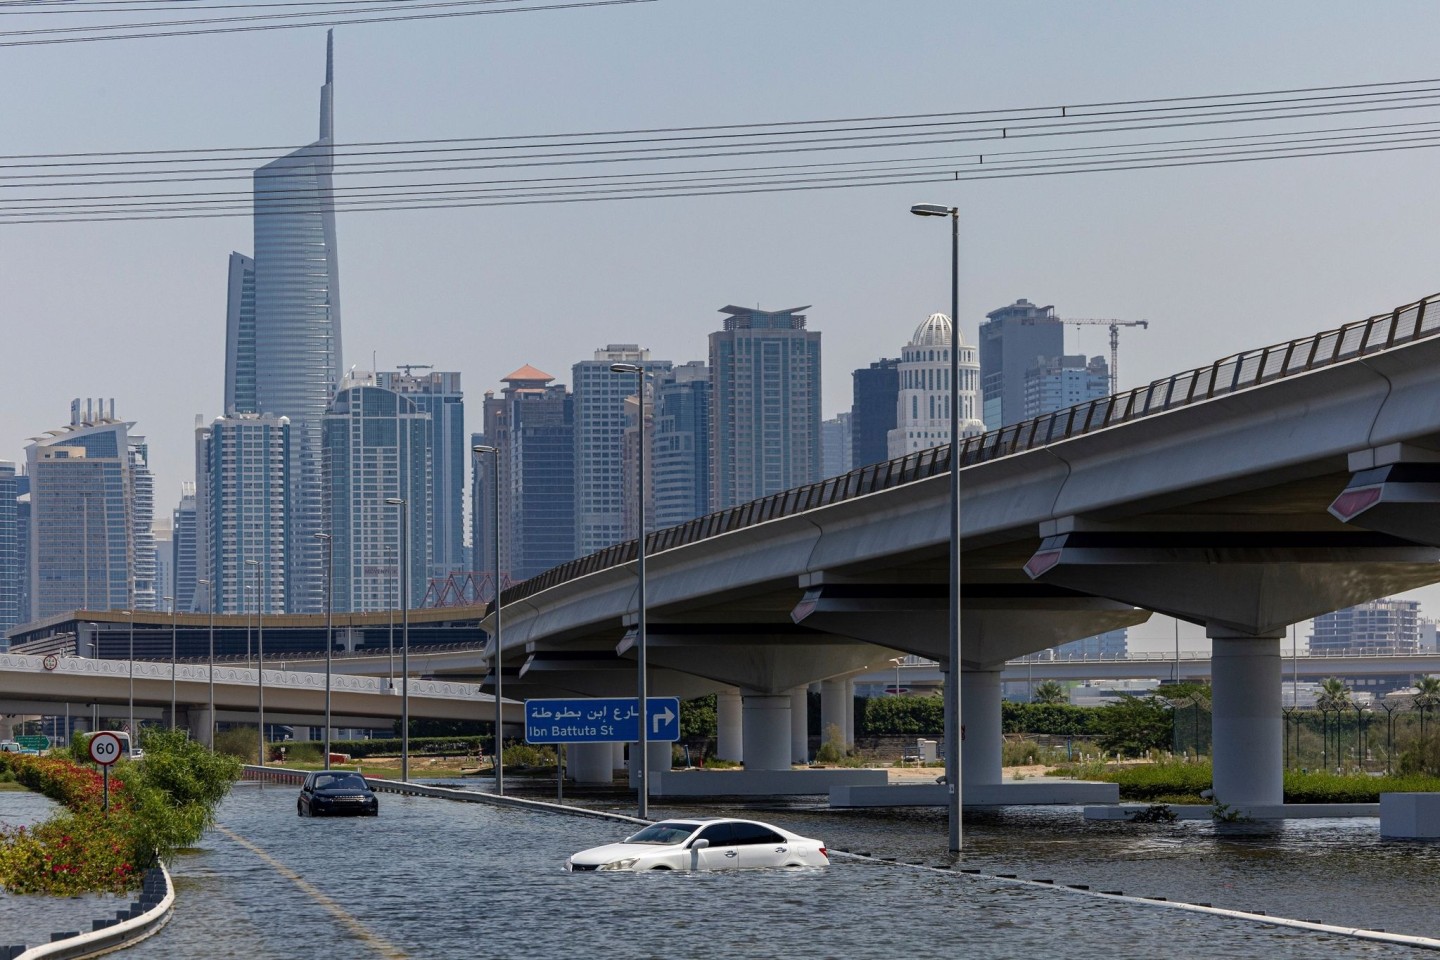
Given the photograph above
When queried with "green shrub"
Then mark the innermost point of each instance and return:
(832, 750)
(903, 716)
(156, 807)
(1055, 719)
(240, 742)
(524, 755)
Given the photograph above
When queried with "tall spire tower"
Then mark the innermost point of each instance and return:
(283, 355)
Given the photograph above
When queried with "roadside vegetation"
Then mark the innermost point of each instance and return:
(158, 806)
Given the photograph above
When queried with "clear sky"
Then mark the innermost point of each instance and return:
(1218, 258)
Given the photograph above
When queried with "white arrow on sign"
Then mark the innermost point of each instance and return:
(655, 719)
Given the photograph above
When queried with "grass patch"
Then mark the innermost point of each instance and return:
(1175, 781)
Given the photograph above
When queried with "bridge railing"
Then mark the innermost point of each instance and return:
(1241, 371)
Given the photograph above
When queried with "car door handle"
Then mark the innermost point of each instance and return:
(732, 853)
(780, 849)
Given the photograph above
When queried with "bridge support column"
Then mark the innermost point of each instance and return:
(7, 727)
(729, 722)
(832, 708)
(980, 692)
(767, 732)
(849, 713)
(660, 753)
(590, 763)
(800, 724)
(197, 721)
(1246, 720)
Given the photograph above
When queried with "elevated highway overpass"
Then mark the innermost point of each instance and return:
(87, 688)
(1245, 496)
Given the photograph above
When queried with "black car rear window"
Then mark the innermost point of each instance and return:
(746, 833)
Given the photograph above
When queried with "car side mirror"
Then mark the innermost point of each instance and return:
(700, 844)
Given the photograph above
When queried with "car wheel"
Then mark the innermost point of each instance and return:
(299, 810)
(661, 866)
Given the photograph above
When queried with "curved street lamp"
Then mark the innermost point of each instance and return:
(210, 606)
(404, 634)
(329, 629)
(134, 733)
(174, 657)
(642, 674)
(260, 658)
(952, 683)
(497, 667)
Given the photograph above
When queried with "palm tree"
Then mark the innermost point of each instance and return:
(1050, 692)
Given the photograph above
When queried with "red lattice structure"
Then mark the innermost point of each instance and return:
(462, 590)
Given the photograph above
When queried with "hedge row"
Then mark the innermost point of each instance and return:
(482, 743)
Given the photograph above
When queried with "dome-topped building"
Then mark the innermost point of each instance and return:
(922, 416)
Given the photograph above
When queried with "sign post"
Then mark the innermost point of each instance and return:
(105, 750)
(601, 720)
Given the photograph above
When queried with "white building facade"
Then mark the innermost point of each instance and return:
(923, 406)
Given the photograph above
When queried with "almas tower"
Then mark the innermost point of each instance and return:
(283, 353)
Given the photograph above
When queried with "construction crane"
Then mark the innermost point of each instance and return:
(1114, 326)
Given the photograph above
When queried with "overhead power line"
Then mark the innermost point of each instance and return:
(678, 162)
(96, 33)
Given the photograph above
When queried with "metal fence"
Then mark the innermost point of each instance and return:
(1241, 371)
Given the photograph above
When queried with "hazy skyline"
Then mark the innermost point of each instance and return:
(1217, 258)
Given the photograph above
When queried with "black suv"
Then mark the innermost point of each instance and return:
(337, 793)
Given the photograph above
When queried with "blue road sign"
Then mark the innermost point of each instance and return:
(600, 720)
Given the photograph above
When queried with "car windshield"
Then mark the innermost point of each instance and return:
(665, 832)
(340, 781)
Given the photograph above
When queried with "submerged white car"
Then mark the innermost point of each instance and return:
(707, 843)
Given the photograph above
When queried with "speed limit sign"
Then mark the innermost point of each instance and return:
(105, 748)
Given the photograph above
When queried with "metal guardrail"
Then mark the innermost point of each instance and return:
(1241, 371)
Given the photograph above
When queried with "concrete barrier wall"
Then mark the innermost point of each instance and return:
(127, 927)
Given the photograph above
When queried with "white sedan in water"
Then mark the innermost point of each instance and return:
(707, 843)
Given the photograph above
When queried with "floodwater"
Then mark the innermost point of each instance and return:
(437, 879)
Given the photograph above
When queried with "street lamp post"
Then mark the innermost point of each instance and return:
(497, 667)
(174, 656)
(210, 605)
(134, 734)
(404, 635)
(953, 726)
(642, 681)
(329, 629)
(260, 671)
(897, 661)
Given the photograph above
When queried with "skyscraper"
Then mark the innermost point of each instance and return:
(85, 516)
(1385, 626)
(9, 548)
(680, 461)
(541, 471)
(283, 348)
(836, 447)
(922, 409)
(1060, 382)
(146, 573)
(439, 395)
(872, 412)
(242, 511)
(182, 540)
(765, 429)
(600, 441)
(22, 546)
(377, 447)
(1014, 340)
